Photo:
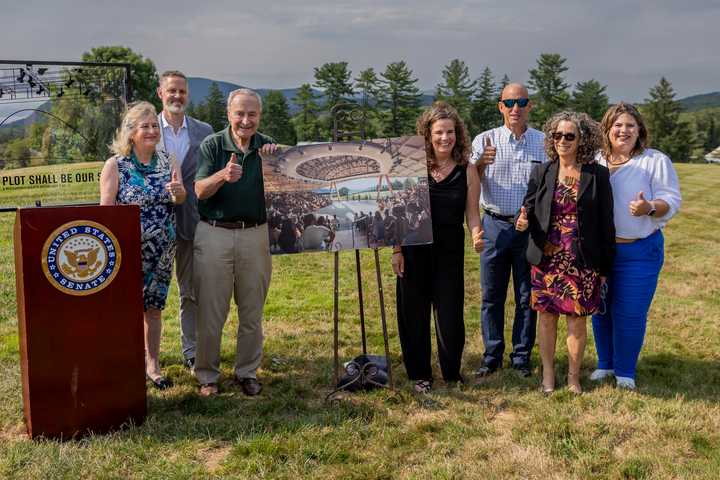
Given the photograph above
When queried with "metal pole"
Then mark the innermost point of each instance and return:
(382, 318)
(336, 320)
(360, 295)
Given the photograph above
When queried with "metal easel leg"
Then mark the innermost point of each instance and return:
(360, 300)
(381, 296)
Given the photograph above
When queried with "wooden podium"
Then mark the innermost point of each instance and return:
(80, 316)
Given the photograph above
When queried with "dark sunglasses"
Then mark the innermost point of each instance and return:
(570, 137)
(521, 102)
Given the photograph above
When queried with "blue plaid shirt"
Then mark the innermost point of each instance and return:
(505, 181)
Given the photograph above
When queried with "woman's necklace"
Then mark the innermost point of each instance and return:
(569, 175)
(617, 164)
(438, 172)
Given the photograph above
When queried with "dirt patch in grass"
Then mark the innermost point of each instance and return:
(13, 433)
(214, 457)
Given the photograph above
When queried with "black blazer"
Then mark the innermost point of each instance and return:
(596, 228)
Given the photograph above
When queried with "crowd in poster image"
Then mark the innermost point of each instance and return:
(293, 227)
(401, 218)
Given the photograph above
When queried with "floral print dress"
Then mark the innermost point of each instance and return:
(144, 185)
(560, 284)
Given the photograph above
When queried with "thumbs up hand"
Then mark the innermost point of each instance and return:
(488, 155)
(175, 187)
(639, 206)
(522, 222)
(232, 171)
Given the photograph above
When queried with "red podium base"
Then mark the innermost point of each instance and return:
(80, 307)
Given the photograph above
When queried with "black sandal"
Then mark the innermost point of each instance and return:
(161, 383)
(423, 386)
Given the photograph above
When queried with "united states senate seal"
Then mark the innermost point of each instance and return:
(81, 257)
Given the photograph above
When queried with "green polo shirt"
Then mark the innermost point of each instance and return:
(243, 200)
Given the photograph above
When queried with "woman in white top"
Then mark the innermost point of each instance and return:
(646, 194)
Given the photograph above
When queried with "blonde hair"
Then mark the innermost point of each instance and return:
(122, 143)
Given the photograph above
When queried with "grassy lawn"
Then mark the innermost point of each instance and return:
(501, 427)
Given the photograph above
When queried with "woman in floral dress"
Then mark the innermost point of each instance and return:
(569, 211)
(140, 175)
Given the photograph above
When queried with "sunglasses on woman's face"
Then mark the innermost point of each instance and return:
(570, 137)
(521, 102)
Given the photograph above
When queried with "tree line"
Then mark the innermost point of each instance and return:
(391, 101)
(388, 101)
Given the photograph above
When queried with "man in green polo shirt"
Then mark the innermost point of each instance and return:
(232, 251)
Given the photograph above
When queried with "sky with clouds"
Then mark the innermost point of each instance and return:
(626, 44)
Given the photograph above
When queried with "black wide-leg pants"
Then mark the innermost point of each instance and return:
(433, 278)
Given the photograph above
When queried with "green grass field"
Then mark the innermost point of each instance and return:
(501, 427)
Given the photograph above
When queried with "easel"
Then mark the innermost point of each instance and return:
(353, 116)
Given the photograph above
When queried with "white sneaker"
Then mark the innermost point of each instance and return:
(626, 383)
(600, 374)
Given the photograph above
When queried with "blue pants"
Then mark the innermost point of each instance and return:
(504, 253)
(620, 330)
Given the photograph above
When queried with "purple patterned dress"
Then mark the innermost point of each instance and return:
(559, 283)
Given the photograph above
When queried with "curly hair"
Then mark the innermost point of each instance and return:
(589, 140)
(122, 143)
(439, 111)
(609, 120)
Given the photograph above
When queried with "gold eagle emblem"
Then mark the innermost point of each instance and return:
(82, 263)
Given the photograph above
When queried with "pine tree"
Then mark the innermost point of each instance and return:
(306, 120)
(590, 97)
(334, 79)
(457, 88)
(548, 87)
(275, 119)
(400, 98)
(213, 110)
(504, 82)
(484, 113)
(662, 117)
(368, 86)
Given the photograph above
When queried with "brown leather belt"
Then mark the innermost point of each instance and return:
(232, 225)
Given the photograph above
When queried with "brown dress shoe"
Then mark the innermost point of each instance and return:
(250, 386)
(208, 389)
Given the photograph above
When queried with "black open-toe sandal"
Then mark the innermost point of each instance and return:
(423, 386)
(161, 383)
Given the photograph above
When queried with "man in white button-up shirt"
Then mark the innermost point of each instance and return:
(181, 136)
(505, 157)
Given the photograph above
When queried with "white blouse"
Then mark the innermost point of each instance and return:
(652, 173)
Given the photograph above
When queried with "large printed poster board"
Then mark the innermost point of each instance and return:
(348, 195)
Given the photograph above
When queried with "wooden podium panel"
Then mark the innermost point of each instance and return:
(80, 316)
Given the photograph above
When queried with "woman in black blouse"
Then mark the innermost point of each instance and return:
(432, 276)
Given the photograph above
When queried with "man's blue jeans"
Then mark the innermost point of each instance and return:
(504, 253)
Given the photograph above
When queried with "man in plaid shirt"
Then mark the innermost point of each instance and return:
(505, 157)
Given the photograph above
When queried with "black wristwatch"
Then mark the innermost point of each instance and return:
(652, 211)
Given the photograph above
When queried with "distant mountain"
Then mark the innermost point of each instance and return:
(699, 102)
(200, 86)
(22, 118)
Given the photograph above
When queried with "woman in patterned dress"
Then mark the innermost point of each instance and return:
(138, 174)
(569, 211)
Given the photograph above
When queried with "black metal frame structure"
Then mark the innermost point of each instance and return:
(38, 80)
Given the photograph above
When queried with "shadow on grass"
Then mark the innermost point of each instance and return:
(293, 399)
(668, 376)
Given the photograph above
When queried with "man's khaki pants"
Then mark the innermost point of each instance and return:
(230, 262)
